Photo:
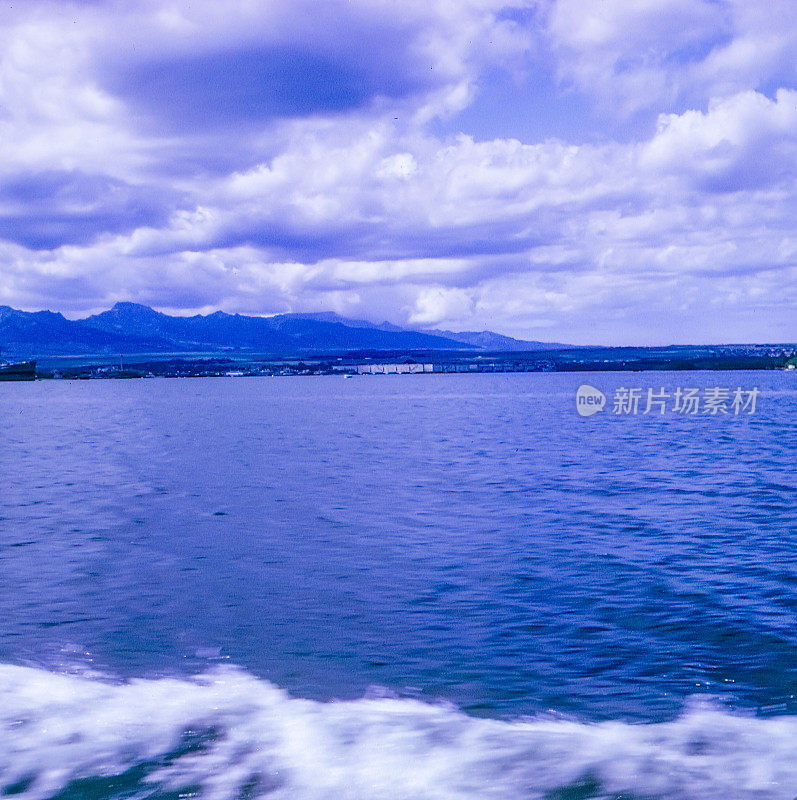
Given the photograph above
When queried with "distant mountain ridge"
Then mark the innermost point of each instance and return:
(134, 328)
(488, 340)
(481, 340)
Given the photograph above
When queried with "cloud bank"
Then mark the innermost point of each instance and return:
(265, 157)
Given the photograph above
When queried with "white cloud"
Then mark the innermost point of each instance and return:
(741, 142)
(436, 305)
(633, 55)
(362, 209)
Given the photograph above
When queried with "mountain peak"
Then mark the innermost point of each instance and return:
(127, 307)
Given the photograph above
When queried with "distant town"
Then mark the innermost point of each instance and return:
(728, 357)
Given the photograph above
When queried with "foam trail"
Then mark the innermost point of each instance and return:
(226, 735)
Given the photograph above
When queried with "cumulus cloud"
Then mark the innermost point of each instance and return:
(666, 54)
(741, 143)
(264, 156)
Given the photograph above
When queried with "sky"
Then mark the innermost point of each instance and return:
(604, 172)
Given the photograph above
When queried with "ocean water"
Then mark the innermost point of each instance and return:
(426, 586)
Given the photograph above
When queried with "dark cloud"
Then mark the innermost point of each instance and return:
(209, 91)
(52, 208)
(383, 241)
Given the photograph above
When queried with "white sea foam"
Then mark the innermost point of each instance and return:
(229, 735)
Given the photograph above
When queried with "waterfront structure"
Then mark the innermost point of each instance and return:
(393, 369)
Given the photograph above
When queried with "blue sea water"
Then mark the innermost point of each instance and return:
(425, 586)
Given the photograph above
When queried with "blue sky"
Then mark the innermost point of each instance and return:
(617, 172)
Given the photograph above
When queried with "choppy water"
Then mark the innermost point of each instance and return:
(395, 587)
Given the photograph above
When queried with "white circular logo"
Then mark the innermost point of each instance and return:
(589, 400)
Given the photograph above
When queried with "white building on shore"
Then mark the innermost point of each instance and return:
(393, 369)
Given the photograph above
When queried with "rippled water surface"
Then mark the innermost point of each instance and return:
(191, 570)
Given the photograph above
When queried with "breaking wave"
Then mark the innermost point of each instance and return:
(226, 735)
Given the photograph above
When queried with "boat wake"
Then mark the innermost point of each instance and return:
(226, 735)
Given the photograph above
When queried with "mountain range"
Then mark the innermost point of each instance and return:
(134, 328)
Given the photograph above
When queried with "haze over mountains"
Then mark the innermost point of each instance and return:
(134, 328)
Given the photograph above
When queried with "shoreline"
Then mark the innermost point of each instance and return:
(104, 367)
